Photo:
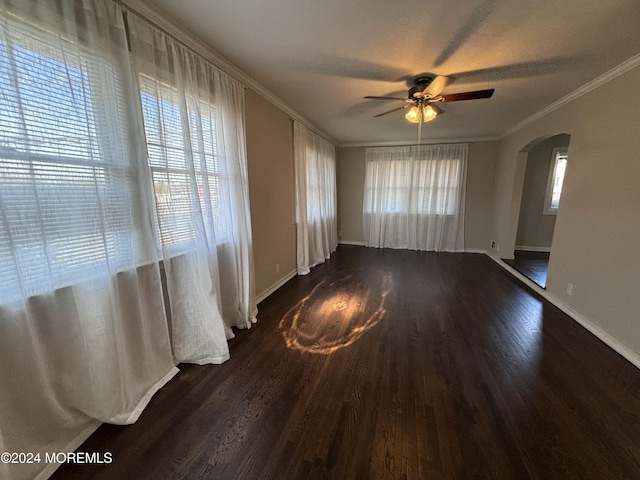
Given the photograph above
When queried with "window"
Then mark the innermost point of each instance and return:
(315, 190)
(439, 187)
(180, 188)
(414, 197)
(320, 182)
(392, 195)
(554, 184)
(428, 187)
(65, 177)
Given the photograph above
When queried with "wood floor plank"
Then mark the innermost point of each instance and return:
(384, 364)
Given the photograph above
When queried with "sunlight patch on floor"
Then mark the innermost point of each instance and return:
(334, 315)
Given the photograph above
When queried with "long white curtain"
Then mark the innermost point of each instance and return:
(83, 333)
(315, 179)
(122, 176)
(194, 123)
(414, 197)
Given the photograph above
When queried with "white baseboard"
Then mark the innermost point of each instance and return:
(596, 330)
(362, 244)
(528, 248)
(276, 286)
(350, 242)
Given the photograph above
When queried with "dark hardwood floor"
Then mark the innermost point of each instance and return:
(533, 265)
(386, 364)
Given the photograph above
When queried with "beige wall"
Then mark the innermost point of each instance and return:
(597, 236)
(270, 165)
(350, 177)
(480, 185)
(480, 180)
(535, 228)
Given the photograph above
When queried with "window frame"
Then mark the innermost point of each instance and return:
(558, 153)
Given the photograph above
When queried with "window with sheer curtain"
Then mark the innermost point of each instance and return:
(120, 150)
(62, 160)
(83, 332)
(165, 121)
(316, 220)
(194, 129)
(414, 197)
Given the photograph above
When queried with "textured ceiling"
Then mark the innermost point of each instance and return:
(322, 56)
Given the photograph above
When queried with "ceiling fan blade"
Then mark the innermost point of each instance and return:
(391, 111)
(456, 97)
(437, 85)
(387, 98)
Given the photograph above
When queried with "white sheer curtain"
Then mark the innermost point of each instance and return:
(316, 220)
(414, 197)
(83, 334)
(194, 124)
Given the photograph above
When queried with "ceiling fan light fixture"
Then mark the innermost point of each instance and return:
(413, 115)
(428, 89)
(428, 113)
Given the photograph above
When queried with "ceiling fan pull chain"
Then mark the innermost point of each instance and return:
(420, 129)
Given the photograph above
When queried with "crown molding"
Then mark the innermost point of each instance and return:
(179, 32)
(430, 141)
(588, 87)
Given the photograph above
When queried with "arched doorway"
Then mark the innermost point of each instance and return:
(546, 159)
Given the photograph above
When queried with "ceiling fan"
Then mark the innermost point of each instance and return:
(425, 94)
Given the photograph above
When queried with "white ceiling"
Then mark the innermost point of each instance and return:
(322, 56)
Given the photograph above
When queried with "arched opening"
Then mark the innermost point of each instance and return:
(541, 176)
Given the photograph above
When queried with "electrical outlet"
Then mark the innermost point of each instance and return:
(569, 288)
(277, 268)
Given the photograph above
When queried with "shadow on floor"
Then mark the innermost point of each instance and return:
(533, 265)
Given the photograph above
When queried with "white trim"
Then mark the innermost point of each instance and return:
(163, 22)
(434, 141)
(276, 286)
(475, 250)
(351, 242)
(596, 330)
(588, 87)
(529, 248)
